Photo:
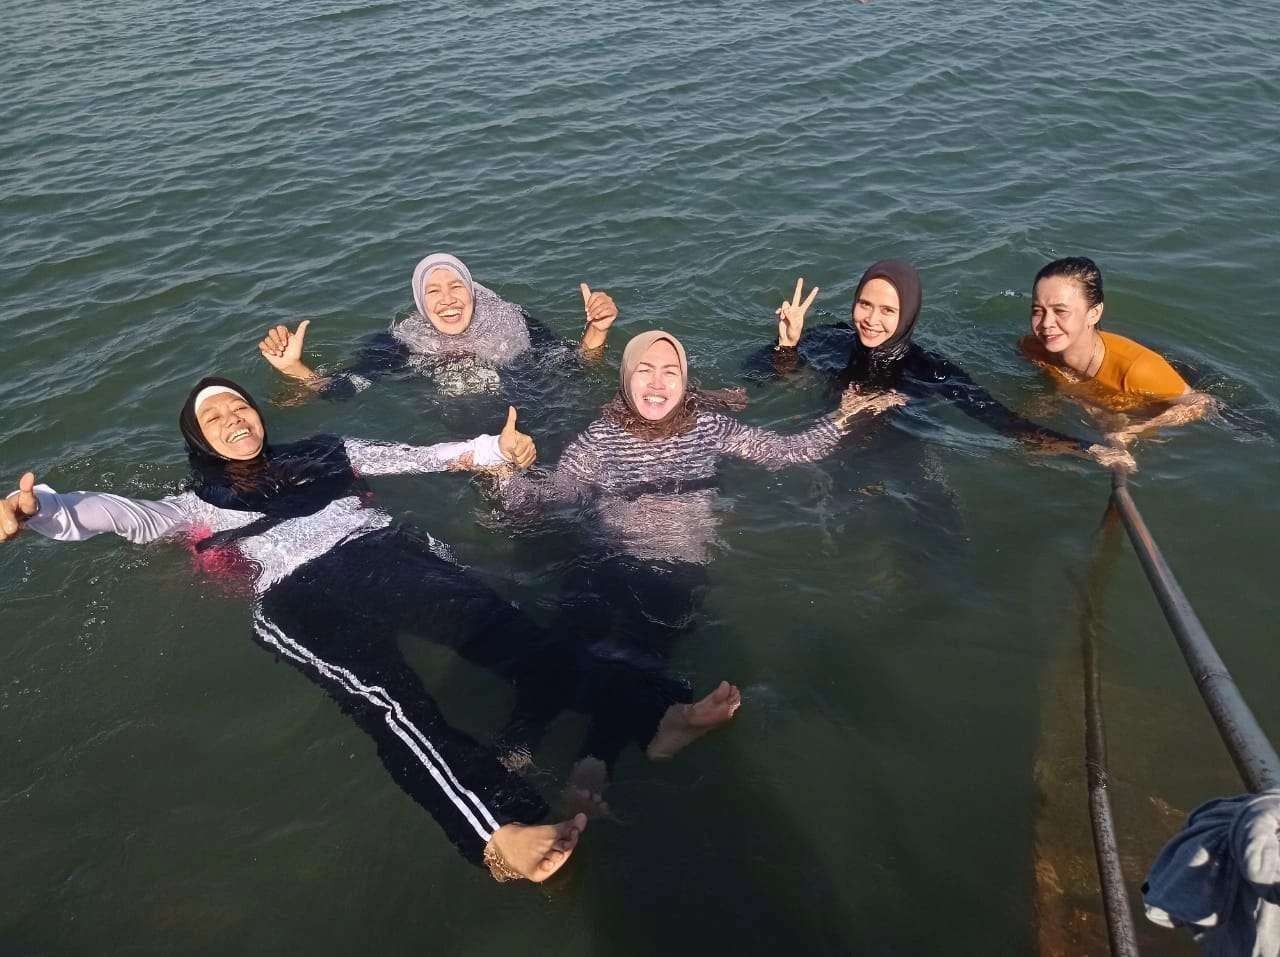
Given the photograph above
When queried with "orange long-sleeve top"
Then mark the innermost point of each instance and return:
(1130, 373)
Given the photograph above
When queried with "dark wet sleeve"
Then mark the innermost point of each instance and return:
(541, 337)
(379, 355)
(954, 383)
(772, 362)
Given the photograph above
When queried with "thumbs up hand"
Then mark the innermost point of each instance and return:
(601, 312)
(283, 349)
(516, 447)
(16, 509)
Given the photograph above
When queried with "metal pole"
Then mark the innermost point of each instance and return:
(1252, 752)
(1115, 899)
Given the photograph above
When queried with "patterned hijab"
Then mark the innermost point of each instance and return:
(623, 411)
(497, 333)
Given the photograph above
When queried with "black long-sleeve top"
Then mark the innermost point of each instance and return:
(835, 353)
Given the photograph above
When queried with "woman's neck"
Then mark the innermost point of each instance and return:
(1082, 355)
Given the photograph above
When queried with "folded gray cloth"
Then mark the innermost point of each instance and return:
(1220, 876)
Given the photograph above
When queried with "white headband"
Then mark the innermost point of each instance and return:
(205, 395)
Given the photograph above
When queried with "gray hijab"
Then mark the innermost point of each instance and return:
(498, 331)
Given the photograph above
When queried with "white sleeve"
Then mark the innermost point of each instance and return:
(75, 516)
(391, 458)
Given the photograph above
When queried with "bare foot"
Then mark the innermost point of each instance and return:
(533, 852)
(584, 794)
(685, 723)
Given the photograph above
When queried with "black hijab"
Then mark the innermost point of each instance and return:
(282, 482)
(881, 365)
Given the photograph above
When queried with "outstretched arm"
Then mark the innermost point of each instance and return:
(510, 447)
(775, 450)
(76, 516)
(980, 405)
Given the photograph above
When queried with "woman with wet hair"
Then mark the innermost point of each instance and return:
(462, 336)
(646, 470)
(1103, 369)
(335, 583)
(875, 350)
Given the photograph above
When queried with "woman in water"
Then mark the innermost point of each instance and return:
(1102, 368)
(875, 351)
(334, 584)
(460, 337)
(647, 468)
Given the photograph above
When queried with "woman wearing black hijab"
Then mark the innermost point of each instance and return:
(335, 583)
(874, 351)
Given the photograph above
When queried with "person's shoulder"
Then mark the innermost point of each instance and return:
(1145, 372)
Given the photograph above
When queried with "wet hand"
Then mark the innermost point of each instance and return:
(283, 349)
(16, 509)
(1111, 457)
(853, 402)
(600, 308)
(791, 315)
(516, 447)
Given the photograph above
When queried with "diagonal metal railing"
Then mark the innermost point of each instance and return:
(1251, 751)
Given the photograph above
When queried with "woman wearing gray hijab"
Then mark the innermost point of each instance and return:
(461, 336)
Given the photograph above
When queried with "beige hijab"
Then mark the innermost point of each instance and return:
(623, 412)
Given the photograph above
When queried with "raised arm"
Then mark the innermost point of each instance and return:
(76, 516)
(601, 312)
(379, 355)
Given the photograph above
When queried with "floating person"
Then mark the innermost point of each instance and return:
(461, 336)
(647, 469)
(874, 350)
(1102, 369)
(335, 583)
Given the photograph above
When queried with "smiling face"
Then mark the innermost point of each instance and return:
(876, 312)
(656, 386)
(231, 426)
(448, 301)
(1061, 316)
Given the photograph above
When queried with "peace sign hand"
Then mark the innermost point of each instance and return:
(516, 447)
(283, 349)
(16, 509)
(791, 315)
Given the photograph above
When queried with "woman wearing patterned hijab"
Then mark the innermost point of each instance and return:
(460, 336)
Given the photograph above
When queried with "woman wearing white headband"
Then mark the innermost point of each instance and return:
(335, 584)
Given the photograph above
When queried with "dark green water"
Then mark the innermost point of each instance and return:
(175, 178)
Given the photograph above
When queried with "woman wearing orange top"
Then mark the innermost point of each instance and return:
(1101, 367)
